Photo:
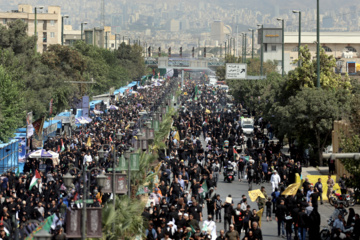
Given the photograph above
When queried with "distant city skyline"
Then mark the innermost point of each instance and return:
(188, 23)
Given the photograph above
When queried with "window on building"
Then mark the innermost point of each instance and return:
(44, 48)
(327, 49)
(52, 34)
(4, 21)
(350, 49)
(273, 48)
(52, 22)
(112, 45)
(295, 49)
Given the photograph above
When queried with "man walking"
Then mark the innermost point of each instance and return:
(232, 234)
(330, 183)
(280, 217)
(319, 188)
(275, 180)
(342, 184)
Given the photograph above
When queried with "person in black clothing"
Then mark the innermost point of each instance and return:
(196, 211)
(254, 217)
(314, 224)
(280, 217)
(210, 200)
(314, 198)
(222, 235)
(228, 210)
(237, 218)
(256, 231)
(302, 223)
(251, 175)
(175, 189)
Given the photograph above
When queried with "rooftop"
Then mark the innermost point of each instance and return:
(325, 37)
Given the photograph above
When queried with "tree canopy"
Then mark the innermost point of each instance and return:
(38, 78)
(293, 105)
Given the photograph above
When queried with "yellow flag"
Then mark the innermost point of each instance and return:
(207, 111)
(254, 194)
(291, 189)
(126, 128)
(177, 136)
(157, 168)
(88, 143)
(259, 214)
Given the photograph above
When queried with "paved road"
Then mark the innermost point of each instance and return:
(269, 229)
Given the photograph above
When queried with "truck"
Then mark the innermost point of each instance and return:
(247, 125)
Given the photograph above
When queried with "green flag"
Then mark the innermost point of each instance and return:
(196, 92)
(203, 190)
(18, 172)
(46, 225)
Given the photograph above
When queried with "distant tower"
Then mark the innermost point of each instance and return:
(102, 16)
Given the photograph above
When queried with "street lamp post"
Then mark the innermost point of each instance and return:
(106, 40)
(282, 45)
(35, 25)
(127, 156)
(252, 43)
(318, 43)
(82, 29)
(68, 180)
(225, 49)
(299, 44)
(62, 28)
(244, 47)
(262, 49)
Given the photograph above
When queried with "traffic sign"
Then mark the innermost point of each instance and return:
(88, 201)
(236, 71)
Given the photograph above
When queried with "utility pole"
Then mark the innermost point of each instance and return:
(262, 49)
(318, 44)
(237, 41)
(252, 43)
(299, 42)
(282, 46)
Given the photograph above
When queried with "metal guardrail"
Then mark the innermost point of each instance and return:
(182, 63)
(334, 156)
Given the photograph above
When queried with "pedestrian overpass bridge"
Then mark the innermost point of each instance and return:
(184, 63)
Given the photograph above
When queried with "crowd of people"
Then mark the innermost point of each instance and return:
(206, 139)
(20, 202)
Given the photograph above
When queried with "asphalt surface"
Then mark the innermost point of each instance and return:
(269, 229)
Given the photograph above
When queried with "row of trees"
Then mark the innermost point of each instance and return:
(295, 107)
(29, 80)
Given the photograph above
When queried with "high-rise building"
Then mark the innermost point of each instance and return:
(217, 31)
(48, 26)
(173, 25)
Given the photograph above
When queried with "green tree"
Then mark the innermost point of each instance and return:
(306, 76)
(254, 65)
(309, 116)
(15, 37)
(11, 105)
(351, 144)
(130, 57)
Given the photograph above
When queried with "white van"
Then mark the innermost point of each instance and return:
(213, 80)
(247, 125)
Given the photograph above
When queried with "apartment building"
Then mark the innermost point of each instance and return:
(48, 25)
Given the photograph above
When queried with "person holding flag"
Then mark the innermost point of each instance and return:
(35, 181)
